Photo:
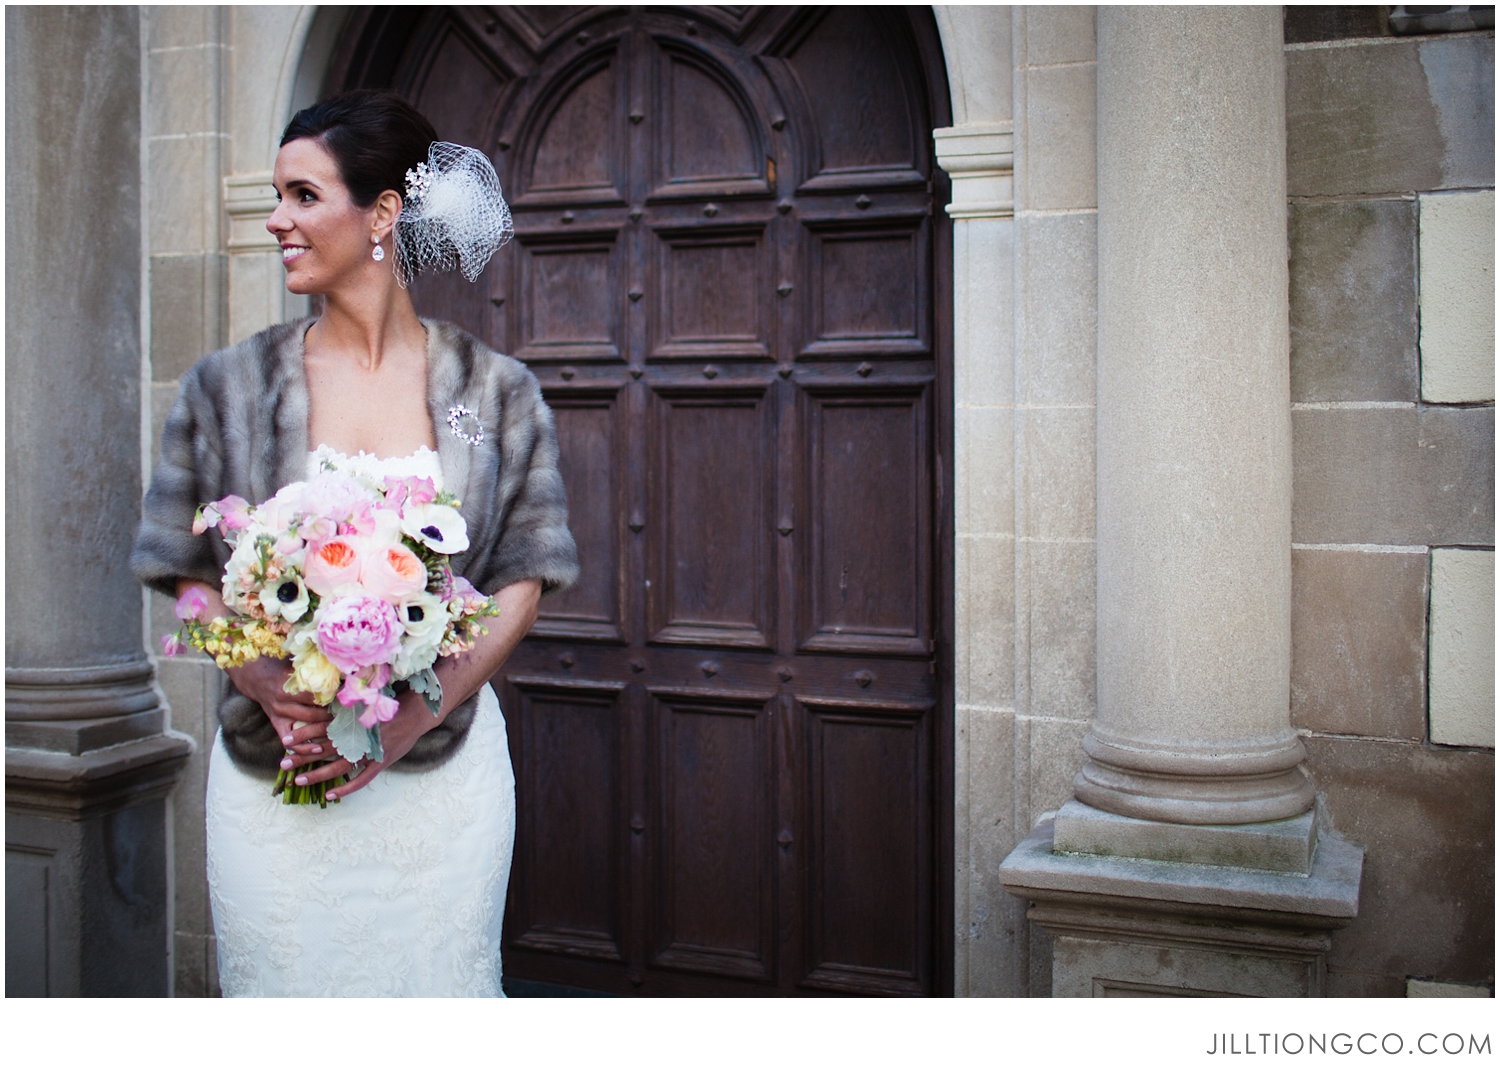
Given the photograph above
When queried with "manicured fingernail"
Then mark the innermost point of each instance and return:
(301, 780)
(287, 740)
(317, 748)
(287, 765)
(333, 797)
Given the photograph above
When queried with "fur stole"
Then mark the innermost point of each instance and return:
(239, 426)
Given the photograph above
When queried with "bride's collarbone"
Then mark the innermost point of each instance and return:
(384, 426)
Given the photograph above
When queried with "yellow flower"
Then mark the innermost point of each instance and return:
(312, 673)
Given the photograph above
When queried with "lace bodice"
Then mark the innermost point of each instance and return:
(423, 462)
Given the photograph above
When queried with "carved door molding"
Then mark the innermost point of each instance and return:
(733, 738)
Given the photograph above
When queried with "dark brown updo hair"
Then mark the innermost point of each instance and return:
(373, 136)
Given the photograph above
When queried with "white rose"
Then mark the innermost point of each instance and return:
(441, 528)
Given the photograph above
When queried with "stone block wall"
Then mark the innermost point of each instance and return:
(1390, 167)
(185, 127)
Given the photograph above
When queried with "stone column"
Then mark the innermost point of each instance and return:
(1194, 423)
(87, 764)
(1193, 763)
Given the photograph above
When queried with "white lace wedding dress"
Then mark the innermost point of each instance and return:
(397, 890)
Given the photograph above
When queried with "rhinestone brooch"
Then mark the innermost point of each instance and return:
(461, 417)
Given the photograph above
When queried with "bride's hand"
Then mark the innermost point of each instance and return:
(413, 719)
(262, 681)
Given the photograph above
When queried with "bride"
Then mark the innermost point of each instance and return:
(399, 889)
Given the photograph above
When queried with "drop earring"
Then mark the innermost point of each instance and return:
(379, 252)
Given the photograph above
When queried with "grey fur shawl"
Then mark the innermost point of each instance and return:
(239, 427)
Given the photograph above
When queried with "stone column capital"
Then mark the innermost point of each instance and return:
(980, 159)
(249, 199)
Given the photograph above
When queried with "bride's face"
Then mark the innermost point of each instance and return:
(324, 236)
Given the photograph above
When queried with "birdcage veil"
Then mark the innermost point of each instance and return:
(454, 215)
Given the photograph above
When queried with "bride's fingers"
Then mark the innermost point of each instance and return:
(308, 732)
(323, 774)
(359, 782)
(300, 755)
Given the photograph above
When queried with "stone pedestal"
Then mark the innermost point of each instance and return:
(88, 763)
(1124, 927)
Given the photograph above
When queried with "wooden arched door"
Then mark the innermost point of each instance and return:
(732, 738)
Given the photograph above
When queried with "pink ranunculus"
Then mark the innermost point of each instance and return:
(190, 605)
(357, 631)
(332, 562)
(381, 710)
(393, 572)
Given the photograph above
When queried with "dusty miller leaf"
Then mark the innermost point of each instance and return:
(347, 735)
(427, 684)
(376, 751)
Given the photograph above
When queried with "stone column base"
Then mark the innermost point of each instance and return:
(1125, 926)
(86, 861)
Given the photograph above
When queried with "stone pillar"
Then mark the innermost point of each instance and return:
(1193, 763)
(1194, 423)
(87, 764)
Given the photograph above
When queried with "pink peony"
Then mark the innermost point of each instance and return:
(331, 563)
(358, 631)
(393, 573)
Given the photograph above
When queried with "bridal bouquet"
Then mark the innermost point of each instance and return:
(350, 579)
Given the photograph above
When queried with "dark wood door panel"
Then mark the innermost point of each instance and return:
(590, 457)
(712, 286)
(870, 852)
(459, 67)
(868, 456)
(577, 150)
(858, 106)
(714, 787)
(568, 741)
(866, 292)
(711, 488)
(710, 137)
(569, 298)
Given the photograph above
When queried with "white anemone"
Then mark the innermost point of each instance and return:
(425, 620)
(286, 596)
(441, 528)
